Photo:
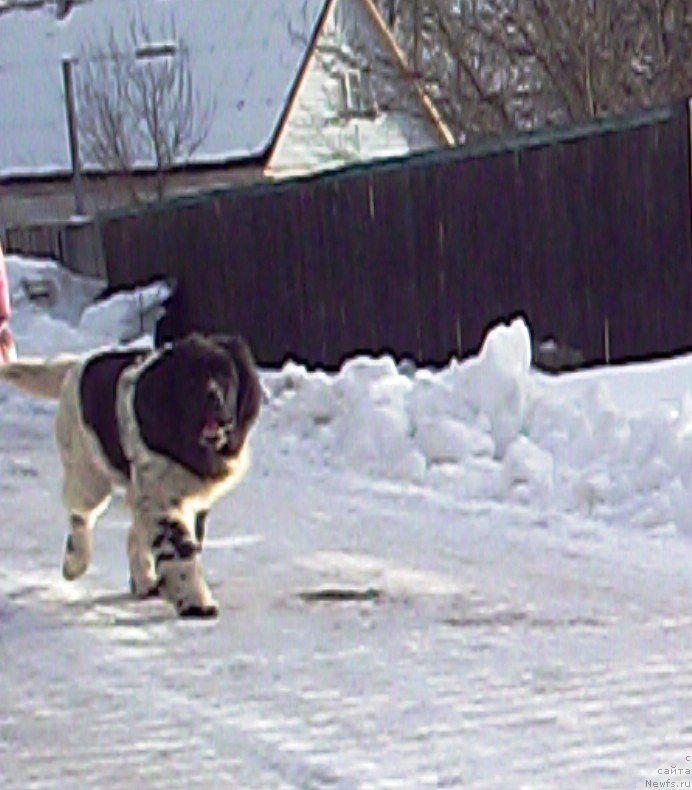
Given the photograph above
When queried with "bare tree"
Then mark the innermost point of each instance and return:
(500, 65)
(139, 108)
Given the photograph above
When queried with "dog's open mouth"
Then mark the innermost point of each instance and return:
(216, 434)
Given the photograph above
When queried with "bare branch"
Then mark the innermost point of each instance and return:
(138, 104)
(518, 64)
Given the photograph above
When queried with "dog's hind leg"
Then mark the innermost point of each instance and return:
(86, 487)
(84, 508)
(78, 547)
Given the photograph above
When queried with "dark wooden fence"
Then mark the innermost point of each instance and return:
(579, 230)
(75, 243)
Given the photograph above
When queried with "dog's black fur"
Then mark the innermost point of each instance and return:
(173, 401)
(180, 378)
(98, 387)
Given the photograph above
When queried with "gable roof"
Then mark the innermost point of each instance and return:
(246, 56)
(436, 121)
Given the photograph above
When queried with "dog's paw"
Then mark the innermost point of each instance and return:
(73, 566)
(199, 612)
(152, 590)
(77, 554)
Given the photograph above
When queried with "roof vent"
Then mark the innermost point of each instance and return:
(156, 49)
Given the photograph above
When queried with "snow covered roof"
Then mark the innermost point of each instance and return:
(245, 56)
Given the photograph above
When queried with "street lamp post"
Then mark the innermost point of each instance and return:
(73, 134)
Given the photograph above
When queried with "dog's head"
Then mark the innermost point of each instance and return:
(197, 402)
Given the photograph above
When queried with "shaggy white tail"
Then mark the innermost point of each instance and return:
(43, 378)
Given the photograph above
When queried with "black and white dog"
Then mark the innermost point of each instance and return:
(171, 427)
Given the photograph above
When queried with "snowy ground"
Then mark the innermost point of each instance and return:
(478, 577)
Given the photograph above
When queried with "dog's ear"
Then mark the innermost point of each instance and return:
(249, 388)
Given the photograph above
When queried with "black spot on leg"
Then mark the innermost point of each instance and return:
(152, 592)
(201, 526)
(164, 556)
(77, 522)
(172, 542)
(158, 540)
(199, 612)
(186, 550)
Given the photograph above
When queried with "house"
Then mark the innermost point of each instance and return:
(291, 87)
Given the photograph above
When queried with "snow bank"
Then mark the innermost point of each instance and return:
(127, 316)
(55, 310)
(64, 294)
(493, 427)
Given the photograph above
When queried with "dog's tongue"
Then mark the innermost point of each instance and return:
(211, 428)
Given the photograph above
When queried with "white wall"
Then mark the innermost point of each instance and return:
(317, 137)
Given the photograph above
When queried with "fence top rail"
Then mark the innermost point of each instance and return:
(494, 146)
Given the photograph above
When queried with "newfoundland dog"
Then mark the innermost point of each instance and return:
(171, 427)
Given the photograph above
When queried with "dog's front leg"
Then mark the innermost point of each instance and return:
(143, 579)
(179, 568)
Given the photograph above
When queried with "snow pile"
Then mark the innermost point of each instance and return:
(128, 315)
(55, 310)
(372, 417)
(491, 427)
(497, 383)
(611, 445)
(632, 468)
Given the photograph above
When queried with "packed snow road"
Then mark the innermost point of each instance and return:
(371, 635)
